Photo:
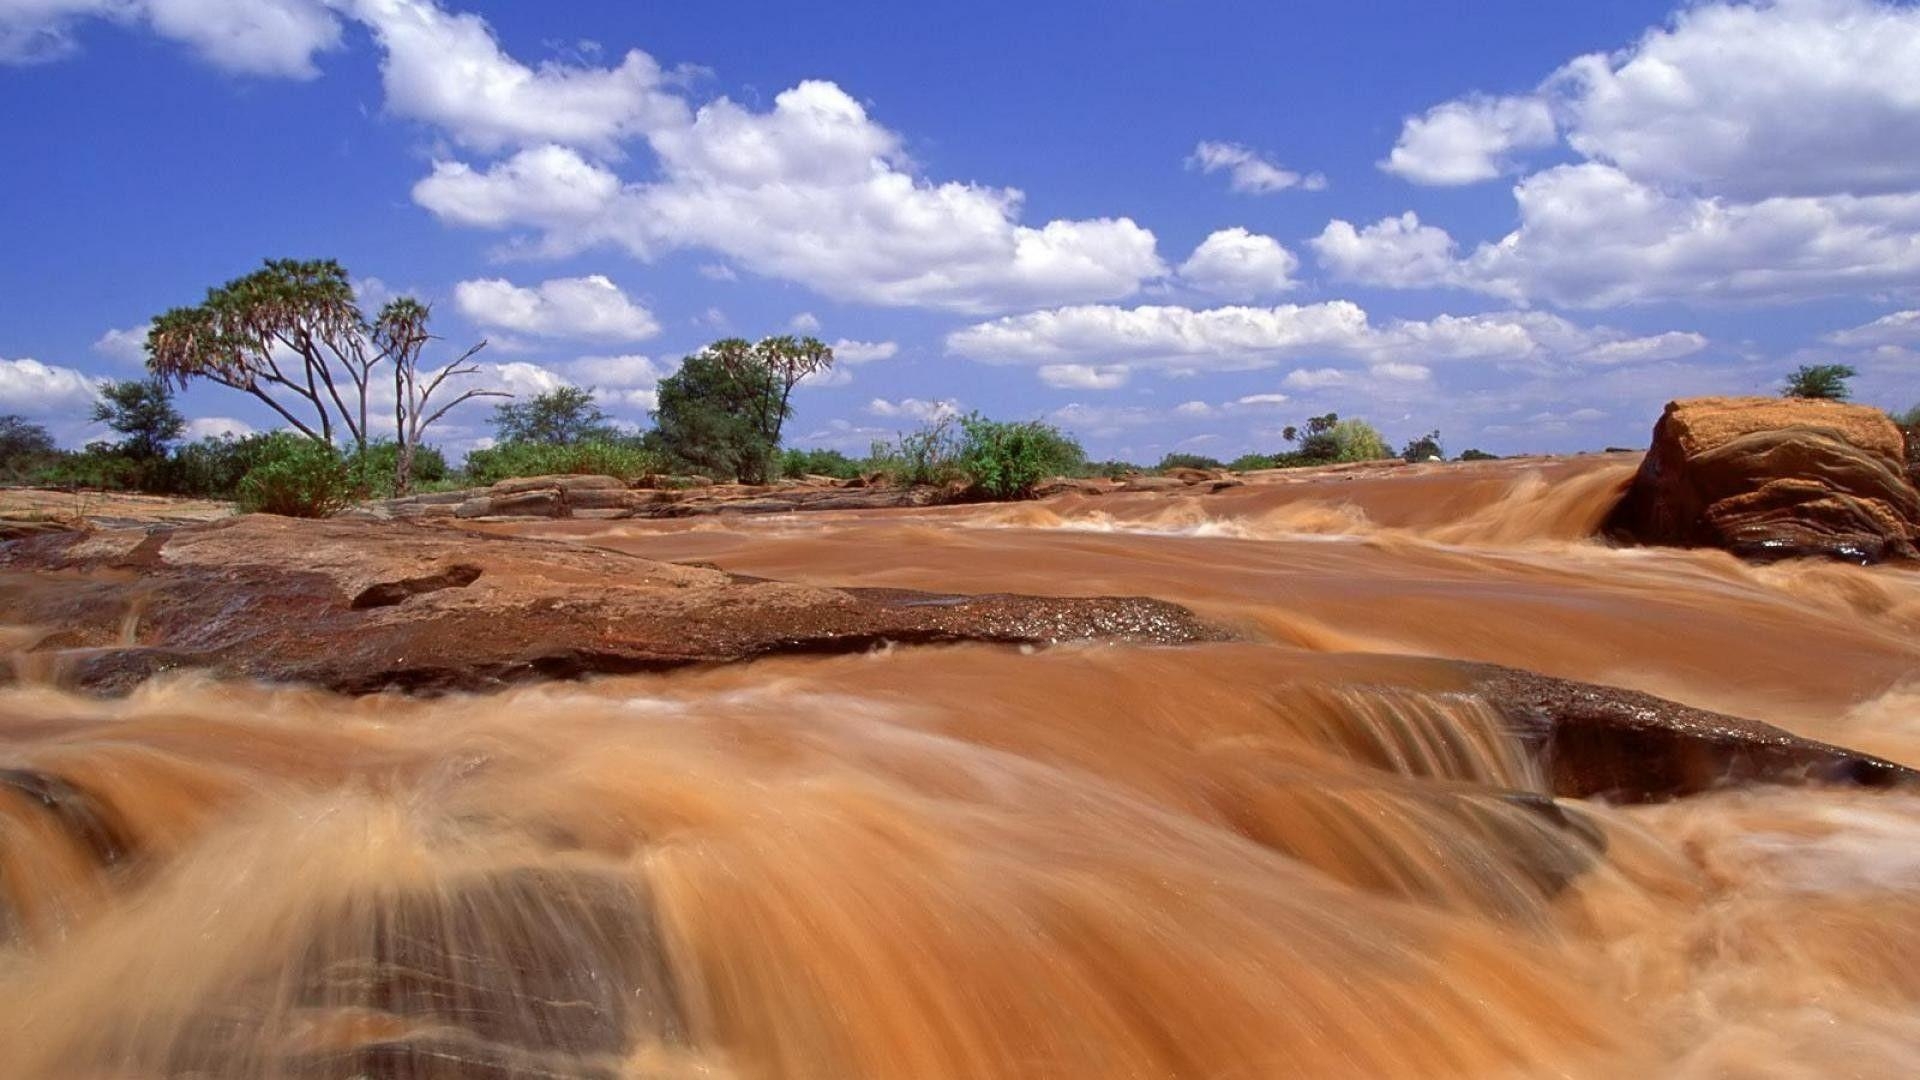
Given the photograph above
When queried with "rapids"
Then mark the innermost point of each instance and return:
(1292, 856)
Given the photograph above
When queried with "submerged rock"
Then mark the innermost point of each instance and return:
(360, 606)
(1773, 478)
(1627, 746)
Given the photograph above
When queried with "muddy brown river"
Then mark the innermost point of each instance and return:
(1292, 855)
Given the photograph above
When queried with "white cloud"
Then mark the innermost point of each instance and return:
(913, 408)
(203, 427)
(445, 68)
(1462, 142)
(34, 389)
(804, 323)
(1177, 339)
(1235, 264)
(1085, 376)
(1247, 171)
(128, 346)
(1746, 152)
(611, 372)
(1899, 328)
(1259, 401)
(846, 351)
(1398, 252)
(1316, 379)
(718, 272)
(1792, 97)
(590, 307)
(249, 37)
(545, 187)
(811, 191)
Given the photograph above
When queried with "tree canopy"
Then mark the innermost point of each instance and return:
(1823, 381)
(723, 411)
(560, 417)
(142, 412)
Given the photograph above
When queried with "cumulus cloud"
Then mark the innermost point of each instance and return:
(591, 307)
(812, 191)
(447, 69)
(249, 37)
(1749, 152)
(1899, 328)
(1463, 142)
(128, 346)
(1173, 338)
(1235, 264)
(1085, 376)
(545, 187)
(846, 351)
(804, 323)
(1248, 172)
(913, 408)
(34, 389)
(204, 427)
(1592, 236)
(613, 372)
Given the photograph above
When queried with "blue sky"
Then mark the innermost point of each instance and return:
(1164, 225)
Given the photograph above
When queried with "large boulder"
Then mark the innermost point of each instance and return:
(1771, 478)
(366, 605)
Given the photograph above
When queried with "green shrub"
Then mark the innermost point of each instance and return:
(1007, 459)
(1111, 469)
(1357, 440)
(296, 477)
(928, 456)
(796, 463)
(1424, 447)
(101, 465)
(1250, 462)
(375, 468)
(1827, 382)
(1188, 461)
(624, 457)
(1476, 455)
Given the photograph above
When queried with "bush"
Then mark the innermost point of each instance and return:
(1111, 469)
(928, 456)
(101, 465)
(1476, 455)
(1188, 461)
(709, 419)
(1006, 460)
(296, 477)
(26, 448)
(623, 457)
(1357, 440)
(375, 468)
(1423, 448)
(796, 463)
(1824, 381)
(1250, 462)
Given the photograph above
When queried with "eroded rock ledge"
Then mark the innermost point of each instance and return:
(360, 606)
(1626, 746)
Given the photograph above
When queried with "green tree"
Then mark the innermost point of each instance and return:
(292, 336)
(142, 412)
(1319, 446)
(1188, 461)
(1357, 440)
(400, 332)
(709, 416)
(1476, 455)
(560, 417)
(25, 447)
(1824, 381)
(1007, 460)
(1425, 447)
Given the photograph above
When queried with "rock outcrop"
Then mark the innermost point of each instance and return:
(359, 606)
(1627, 746)
(1771, 478)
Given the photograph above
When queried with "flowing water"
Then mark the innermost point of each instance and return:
(1302, 855)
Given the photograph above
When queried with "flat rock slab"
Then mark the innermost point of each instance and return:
(359, 606)
(1626, 746)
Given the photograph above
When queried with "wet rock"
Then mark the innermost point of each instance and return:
(360, 606)
(1631, 747)
(1770, 478)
